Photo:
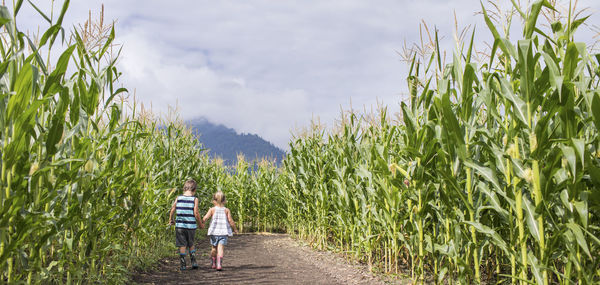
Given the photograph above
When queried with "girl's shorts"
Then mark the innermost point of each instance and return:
(216, 240)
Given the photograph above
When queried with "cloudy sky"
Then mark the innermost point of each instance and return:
(269, 66)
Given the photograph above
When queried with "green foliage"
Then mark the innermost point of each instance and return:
(85, 187)
(492, 176)
(254, 196)
(502, 160)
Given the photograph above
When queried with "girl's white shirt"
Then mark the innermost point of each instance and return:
(219, 225)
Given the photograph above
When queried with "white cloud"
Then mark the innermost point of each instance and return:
(202, 91)
(265, 66)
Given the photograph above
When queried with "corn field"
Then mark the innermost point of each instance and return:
(85, 185)
(491, 176)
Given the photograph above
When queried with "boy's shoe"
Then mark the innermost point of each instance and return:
(194, 264)
(182, 262)
(219, 263)
(213, 263)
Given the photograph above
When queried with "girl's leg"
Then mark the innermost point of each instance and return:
(220, 252)
(213, 257)
(213, 252)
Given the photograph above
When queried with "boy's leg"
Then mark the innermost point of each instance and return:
(182, 257)
(193, 257)
(181, 244)
(191, 234)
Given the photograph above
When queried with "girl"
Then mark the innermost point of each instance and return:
(220, 228)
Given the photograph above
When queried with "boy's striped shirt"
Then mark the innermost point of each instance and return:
(185, 212)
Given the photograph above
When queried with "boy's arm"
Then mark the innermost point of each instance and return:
(171, 213)
(208, 215)
(231, 223)
(197, 214)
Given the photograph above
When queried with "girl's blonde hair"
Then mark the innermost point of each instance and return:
(219, 197)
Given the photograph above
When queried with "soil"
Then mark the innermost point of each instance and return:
(260, 259)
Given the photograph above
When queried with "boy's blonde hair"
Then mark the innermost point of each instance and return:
(190, 185)
(219, 197)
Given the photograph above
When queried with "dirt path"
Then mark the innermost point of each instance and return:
(260, 259)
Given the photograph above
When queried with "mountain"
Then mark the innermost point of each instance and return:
(226, 143)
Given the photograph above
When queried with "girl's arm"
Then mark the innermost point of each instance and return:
(231, 223)
(208, 215)
(171, 221)
(197, 214)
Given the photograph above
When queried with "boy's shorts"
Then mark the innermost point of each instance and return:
(216, 240)
(184, 237)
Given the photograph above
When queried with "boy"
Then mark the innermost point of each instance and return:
(187, 217)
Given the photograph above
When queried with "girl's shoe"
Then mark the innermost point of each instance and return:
(219, 263)
(213, 263)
